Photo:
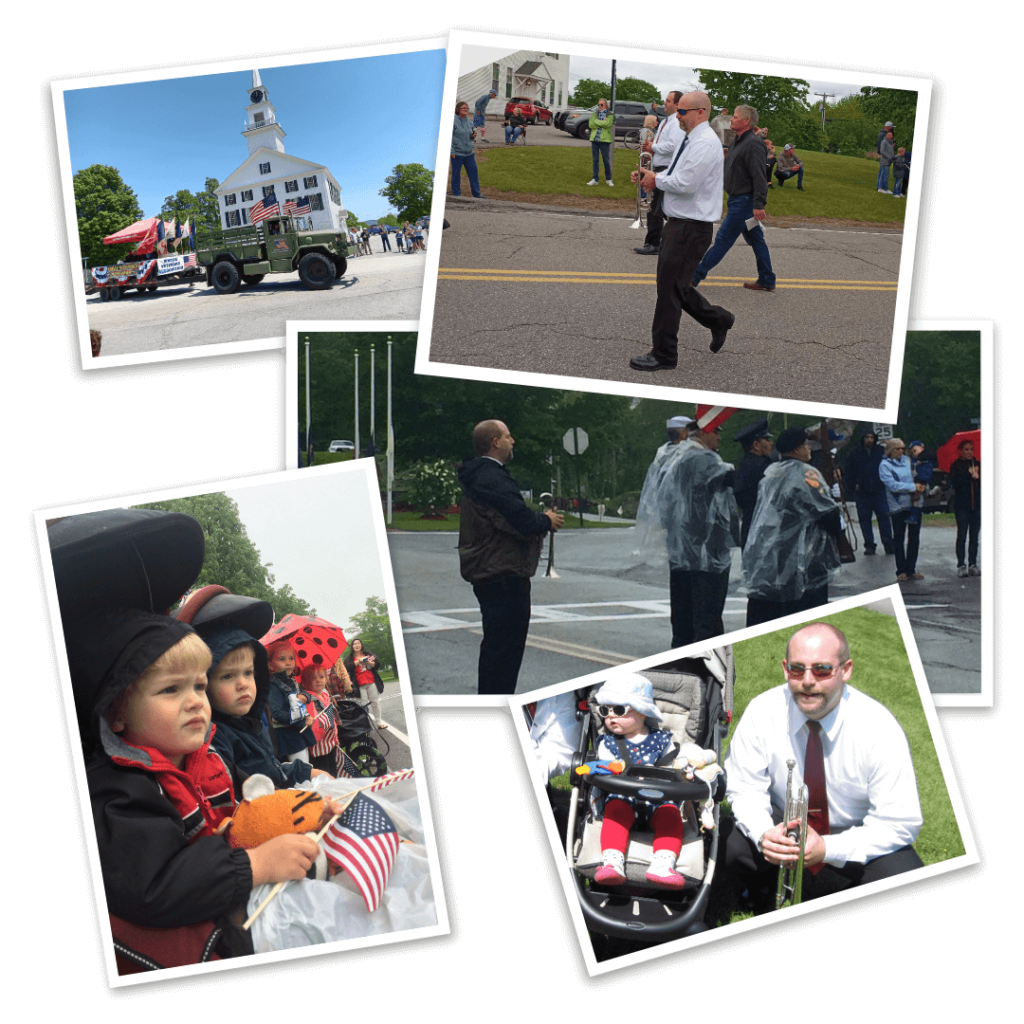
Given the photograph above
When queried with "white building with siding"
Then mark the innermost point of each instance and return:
(541, 77)
(269, 168)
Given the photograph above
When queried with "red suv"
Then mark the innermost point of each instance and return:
(533, 112)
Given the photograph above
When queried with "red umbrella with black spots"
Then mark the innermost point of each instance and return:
(314, 640)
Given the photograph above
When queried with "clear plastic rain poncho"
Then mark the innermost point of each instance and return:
(308, 912)
(697, 513)
(788, 552)
(652, 546)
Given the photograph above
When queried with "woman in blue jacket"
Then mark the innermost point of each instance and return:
(462, 151)
(896, 472)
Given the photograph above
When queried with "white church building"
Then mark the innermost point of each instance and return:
(542, 77)
(268, 169)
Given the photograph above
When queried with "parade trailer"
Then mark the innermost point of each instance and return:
(150, 265)
(245, 255)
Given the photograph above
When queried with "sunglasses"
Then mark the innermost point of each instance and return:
(822, 671)
(618, 710)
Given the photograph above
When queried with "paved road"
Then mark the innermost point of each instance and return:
(564, 293)
(605, 609)
(384, 286)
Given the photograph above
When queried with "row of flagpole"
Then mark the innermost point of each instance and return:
(373, 415)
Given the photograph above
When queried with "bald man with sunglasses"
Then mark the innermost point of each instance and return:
(847, 747)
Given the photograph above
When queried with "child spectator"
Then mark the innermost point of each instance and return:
(289, 717)
(313, 682)
(626, 703)
(899, 172)
(159, 793)
(240, 681)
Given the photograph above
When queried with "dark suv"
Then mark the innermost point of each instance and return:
(629, 116)
(532, 111)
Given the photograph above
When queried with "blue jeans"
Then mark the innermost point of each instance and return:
(513, 132)
(603, 148)
(883, 178)
(469, 162)
(741, 209)
(897, 186)
(781, 176)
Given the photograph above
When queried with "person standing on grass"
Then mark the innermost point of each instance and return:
(602, 133)
(886, 155)
(462, 151)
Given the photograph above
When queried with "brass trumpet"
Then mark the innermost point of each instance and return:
(646, 134)
(788, 890)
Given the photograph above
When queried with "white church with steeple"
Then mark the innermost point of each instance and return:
(269, 169)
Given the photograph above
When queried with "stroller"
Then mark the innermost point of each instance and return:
(696, 697)
(358, 753)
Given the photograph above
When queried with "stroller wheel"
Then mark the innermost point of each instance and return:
(368, 760)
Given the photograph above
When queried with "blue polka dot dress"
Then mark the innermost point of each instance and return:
(650, 750)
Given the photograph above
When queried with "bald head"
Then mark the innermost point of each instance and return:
(823, 636)
(694, 108)
(485, 434)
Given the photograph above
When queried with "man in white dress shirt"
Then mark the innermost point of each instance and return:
(692, 187)
(667, 138)
(872, 815)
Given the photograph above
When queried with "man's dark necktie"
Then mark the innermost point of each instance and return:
(814, 778)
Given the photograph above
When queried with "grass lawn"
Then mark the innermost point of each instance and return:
(882, 671)
(939, 519)
(323, 458)
(414, 521)
(836, 187)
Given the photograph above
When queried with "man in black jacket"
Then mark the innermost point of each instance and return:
(746, 181)
(499, 548)
(869, 492)
(756, 439)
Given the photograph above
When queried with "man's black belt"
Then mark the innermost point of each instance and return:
(688, 220)
(663, 167)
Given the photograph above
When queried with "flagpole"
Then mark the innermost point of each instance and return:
(391, 438)
(309, 415)
(357, 402)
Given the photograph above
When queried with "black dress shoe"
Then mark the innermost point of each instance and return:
(718, 336)
(648, 250)
(800, 188)
(754, 286)
(649, 362)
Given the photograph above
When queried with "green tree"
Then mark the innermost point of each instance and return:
(202, 208)
(408, 190)
(768, 93)
(373, 627)
(588, 91)
(896, 105)
(352, 220)
(231, 559)
(636, 89)
(103, 204)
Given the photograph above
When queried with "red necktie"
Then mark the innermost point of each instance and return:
(814, 778)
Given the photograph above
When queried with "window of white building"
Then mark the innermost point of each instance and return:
(316, 201)
(291, 186)
(310, 182)
(265, 168)
(247, 196)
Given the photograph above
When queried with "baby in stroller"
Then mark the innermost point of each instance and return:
(692, 698)
(626, 703)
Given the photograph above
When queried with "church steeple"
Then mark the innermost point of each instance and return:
(261, 127)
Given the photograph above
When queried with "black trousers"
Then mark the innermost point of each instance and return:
(759, 610)
(683, 244)
(697, 600)
(743, 856)
(505, 609)
(655, 216)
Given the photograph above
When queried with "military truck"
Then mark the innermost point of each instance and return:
(245, 255)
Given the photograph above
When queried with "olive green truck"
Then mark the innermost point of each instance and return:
(245, 255)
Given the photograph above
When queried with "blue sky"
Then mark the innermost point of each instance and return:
(358, 117)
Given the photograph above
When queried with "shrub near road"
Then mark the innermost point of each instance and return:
(835, 187)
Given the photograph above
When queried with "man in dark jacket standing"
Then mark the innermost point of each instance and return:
(499, 548)
(746, 181)
(757, 443)
(869, 491)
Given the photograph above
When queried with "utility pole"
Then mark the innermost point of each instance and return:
(824, 96)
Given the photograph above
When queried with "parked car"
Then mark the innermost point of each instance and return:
(561, 115)
(532, 111)
(342, 446)
(629, 116)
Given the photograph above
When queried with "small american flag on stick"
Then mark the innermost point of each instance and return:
(364, 842)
